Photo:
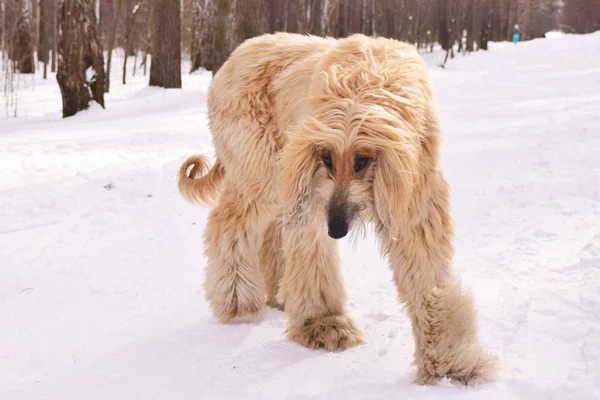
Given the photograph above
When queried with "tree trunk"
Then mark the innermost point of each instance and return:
(55, 35)
(130, 23)
(80, 48)
(275, 14)
(443, 34)
(291, 19)
(207, 35)
(483, 38)
(44, 40)
(111, 42)
(24, 41)
(301, 16)
(196, 47)
(34, 22)
(165, 70)
(2, 44)
(147, 47)
(332, 23)
(107, 13)
(249, 20)
(222, 46)
(469, 25)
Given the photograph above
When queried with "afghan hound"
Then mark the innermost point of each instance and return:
(313, 137)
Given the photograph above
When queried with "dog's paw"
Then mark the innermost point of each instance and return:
(332, 332)
(484, 370)
(473, 368)
(273, 303)
(237, 300)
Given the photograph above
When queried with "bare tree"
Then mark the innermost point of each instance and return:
(111, 41)
(34, 21)
(45, 33)
(278, 15)
(469, 25)
(196, 41)
(222, 36)
(302, 15)
(249, 20)
(130, 24)
(580, 16)
(80, 48)
(55, 35)
(24, 41)
(165, 70)
(207, 35)
(1, 25)
(485, 20)
(443, 31)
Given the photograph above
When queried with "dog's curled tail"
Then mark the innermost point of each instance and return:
(202, 185)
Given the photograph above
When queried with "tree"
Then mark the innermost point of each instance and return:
(580, 16)
(443, 32)
(278, 15)
(207, 35)
(302, 15)
(165, 69)
(469, 25)
(79, 49)
(55, 35)
(111, 41)
(129, 27)
(222, 40)
(196, 42)
(107, 15)
(485, 31)
(24, 40)
(249, 20)
(45, 33)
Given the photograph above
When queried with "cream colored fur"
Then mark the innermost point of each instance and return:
(278, 108)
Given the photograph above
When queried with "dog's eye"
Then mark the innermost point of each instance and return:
(360, 163)
(328, 161)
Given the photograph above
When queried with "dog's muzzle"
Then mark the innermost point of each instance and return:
(337, 222)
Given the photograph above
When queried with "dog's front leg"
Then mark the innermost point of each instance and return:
(313, 292)
(443, 316)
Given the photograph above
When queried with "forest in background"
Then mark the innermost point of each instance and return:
(33, 33)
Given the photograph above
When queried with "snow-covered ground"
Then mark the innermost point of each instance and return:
(101, 263)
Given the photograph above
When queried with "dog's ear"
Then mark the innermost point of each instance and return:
(298, 162)
(396, 172)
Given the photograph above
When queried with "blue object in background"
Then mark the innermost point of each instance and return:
(516, 37)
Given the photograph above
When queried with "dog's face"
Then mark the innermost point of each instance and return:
(340, 175)
(343, 183)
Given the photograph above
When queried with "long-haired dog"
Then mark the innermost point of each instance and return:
(313, 137)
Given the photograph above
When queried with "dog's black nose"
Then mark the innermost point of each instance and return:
(337, 231)
(337, 223)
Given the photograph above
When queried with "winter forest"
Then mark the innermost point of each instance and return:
(104, 265)
(85, 33)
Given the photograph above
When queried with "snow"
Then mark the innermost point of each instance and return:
(101, 264)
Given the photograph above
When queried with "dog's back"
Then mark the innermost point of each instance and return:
(246, 84)
(245, 119)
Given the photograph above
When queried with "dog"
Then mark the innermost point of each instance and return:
(315, 137)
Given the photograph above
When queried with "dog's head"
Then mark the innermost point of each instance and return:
(358, 153)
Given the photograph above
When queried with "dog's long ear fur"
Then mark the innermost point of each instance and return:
(397, 166)
(393, 186)
(298, 162)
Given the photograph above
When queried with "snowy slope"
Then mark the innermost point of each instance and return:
(101, 287)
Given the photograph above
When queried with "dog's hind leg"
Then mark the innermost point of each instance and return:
(234, 285)
(313, 293)
(272, 262)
